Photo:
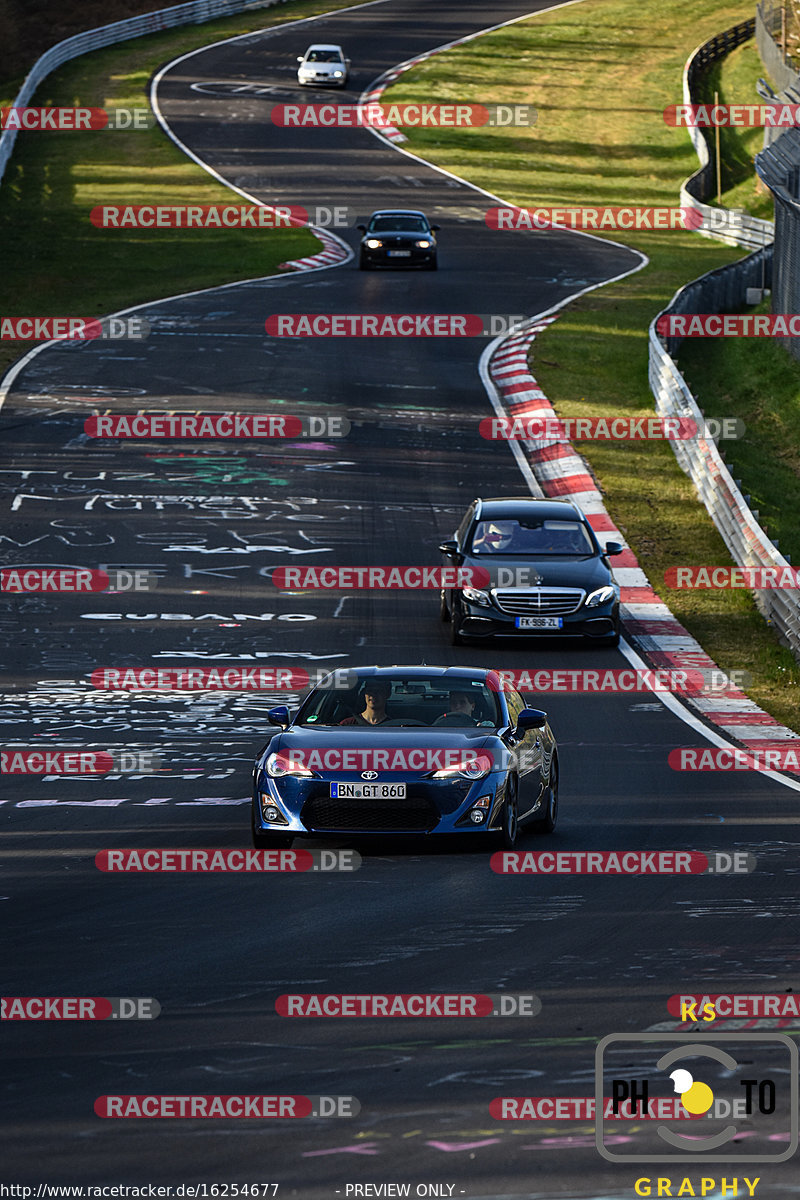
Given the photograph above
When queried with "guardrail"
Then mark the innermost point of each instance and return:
(194, 13)
(734, 227)
(724, 289)
(700, 458)
(770, 21)
(778, 165)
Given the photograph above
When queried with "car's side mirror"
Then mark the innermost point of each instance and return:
(531, 718)
(363, 228)
(435, 228)
(614, 548)
(450, 547)
(299, 58)
(279, 716)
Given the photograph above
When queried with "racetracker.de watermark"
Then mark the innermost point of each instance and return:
(593, 219)
(79, 1008)
(198, 216)
(621, 862)
(780, 756)
(714, 116)
(444, 761)
(619, 429)
(24, 761)
(402, 116)
(757, 578)
(203, 1107)
(199, 679)
(74, 329)
(378, 578)
(743, 325)
(403, 1004)
(184, 426)
(582, 1108)
(187, 862)
(363, 325)
(75, 579)
(725, 1004)
(597, 681)
(75, 120)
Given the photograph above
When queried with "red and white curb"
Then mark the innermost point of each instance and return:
(389, 132)
(656, 633)
(334, 251)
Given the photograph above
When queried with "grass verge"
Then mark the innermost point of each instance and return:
(55, 262)
(600, 75)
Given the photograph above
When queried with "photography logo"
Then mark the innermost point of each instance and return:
(738, 1096)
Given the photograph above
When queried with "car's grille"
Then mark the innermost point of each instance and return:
(538, 602)
(327, 813)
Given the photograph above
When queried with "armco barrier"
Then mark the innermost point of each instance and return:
(719, 291)
(747, 542)
(770, 23)
(740, 229)
(194, 13)
(778, 165)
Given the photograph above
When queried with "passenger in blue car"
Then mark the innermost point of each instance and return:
(376, 693)
(460, 712)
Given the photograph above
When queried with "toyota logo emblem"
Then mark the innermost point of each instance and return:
(369, 774)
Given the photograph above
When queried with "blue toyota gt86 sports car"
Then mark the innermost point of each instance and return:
(417, 750)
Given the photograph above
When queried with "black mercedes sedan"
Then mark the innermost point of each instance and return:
(398, 238)
(545, 572)
(406, 750)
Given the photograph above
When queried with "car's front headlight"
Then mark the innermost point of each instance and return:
(424, 243)
(476, 596)
(373, 243)
(278, 766)
(338, 74)
(603, 595)
(472, 769)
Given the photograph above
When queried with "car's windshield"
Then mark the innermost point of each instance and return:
(398, 224)
(402, 700)
(531, 537)
(327, 56)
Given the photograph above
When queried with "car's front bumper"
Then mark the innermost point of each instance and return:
(321, 81)
(477, 621)
(387, 256)
(430, 807)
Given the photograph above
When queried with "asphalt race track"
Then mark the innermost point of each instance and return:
(211, 521)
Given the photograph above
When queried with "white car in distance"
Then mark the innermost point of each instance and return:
(323, 64)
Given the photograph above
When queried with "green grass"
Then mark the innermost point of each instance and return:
(600, 75)
(55, 262)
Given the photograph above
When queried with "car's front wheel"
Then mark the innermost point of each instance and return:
(455, 620)
(510, 831)
(363, 262)
(548, 822)
(268, 841)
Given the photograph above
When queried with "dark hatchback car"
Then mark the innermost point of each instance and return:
(398, 238)
(407, 750)
(539, 571)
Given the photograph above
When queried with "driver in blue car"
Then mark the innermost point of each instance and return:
(376, 692)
